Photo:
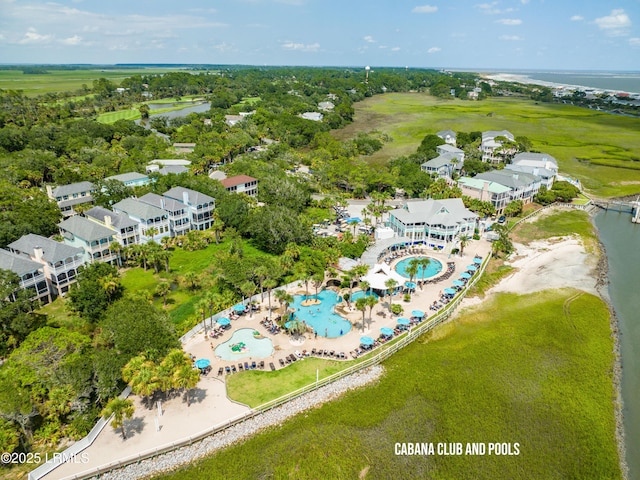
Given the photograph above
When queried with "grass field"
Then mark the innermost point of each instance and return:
(600, 149)
(558, 224)
(66, 80)
(532, 369)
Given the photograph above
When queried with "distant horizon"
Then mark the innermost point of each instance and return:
(515, 34)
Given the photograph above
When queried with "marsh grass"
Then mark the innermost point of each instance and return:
(533, 369)
(558, 224)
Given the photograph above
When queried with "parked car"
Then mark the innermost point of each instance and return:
(502, 219)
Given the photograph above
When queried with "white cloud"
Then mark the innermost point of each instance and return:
(510, 38)
(425, 9)
(509, 21)
(634, 41)
(395, 49)
(301, 47)
(615, 24)
(491, 9)
(434, 50)
(576, 18)
(33, 37)
(369, 39)
(524, 2)
(75, 40)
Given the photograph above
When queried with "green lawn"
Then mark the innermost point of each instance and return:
(557, 224)
(600, 149)
(533, 369)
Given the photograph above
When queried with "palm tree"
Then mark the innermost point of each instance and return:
(413, 268)
(186, 378)
(365, 286)
(192, 279)
(151, 232)
(317, 279)
(201, 307)
(361, 304)
(464, 240)
(372, 301)
(424, 262)
(162, 290)
(270, 284)
(110, 283)
(262, 272)
(248, 288)
(391, 284)
(116, 248)
(217, 226)
(121, 409)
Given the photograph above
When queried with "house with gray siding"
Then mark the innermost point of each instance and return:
(200, 206)
(94, 239)
(153, 221)
(32, 278)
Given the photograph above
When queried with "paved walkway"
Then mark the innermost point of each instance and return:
(211, 405)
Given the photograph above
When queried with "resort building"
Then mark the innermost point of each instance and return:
(165, 167)
(522, 186)
(72, 195)
(126, 230)
(449, 160)
(31, 275)
(313, 116)
(241, 184)
(200, 206)
(433, 222)
(179, 223)
(449, 136)
(153, 221)
(492, 146)
(60, 262)
(542, 165)
(131, 179)
(94, 239)
(486, 191)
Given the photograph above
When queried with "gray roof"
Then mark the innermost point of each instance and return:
(509, 178)
(86, 229)
(177, 169)
(195, 198)
(444, 133)
(170, 161)
(72, 188)
(439, 161)
(541, 172)
(128, 177)
(135, 208)
(118, 220)
(448, 212)
(52, 251)
(17, 263)
(541, 158)
(165, 203)
(75, 201)
(449, 148)
(497, 133)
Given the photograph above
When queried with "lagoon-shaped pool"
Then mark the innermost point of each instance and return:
(243, 343)
(322, 317)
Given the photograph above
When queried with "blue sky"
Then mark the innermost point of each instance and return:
(501, 34)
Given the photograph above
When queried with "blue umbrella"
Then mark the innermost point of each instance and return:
(224, 321)
(386, 331)
(203, 363)
(404, 321)
(239, 307)
(458, 283)
(367, 341)
(417, 313)
(410, 284)
(472, 268)
(449, 291)
(465, 275)
(477, 260)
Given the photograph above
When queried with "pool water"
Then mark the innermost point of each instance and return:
(434, 268)
(243, 344)
(361, 294)
(321, 317)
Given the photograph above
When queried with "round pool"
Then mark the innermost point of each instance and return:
(244, 343)
(360, 294)
(434, 268)
(321, 317)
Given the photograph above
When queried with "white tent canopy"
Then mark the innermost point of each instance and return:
(379, 274)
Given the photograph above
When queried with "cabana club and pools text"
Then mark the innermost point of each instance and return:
(456, 448)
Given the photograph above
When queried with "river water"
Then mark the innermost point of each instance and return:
(621, 239)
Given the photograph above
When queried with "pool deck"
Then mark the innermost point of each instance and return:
(211, 406)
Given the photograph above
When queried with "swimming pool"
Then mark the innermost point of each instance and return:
(434, 268)
(244, 344)
(321, 317)
(361, 294)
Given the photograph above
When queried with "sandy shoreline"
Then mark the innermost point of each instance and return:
(559, 263)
